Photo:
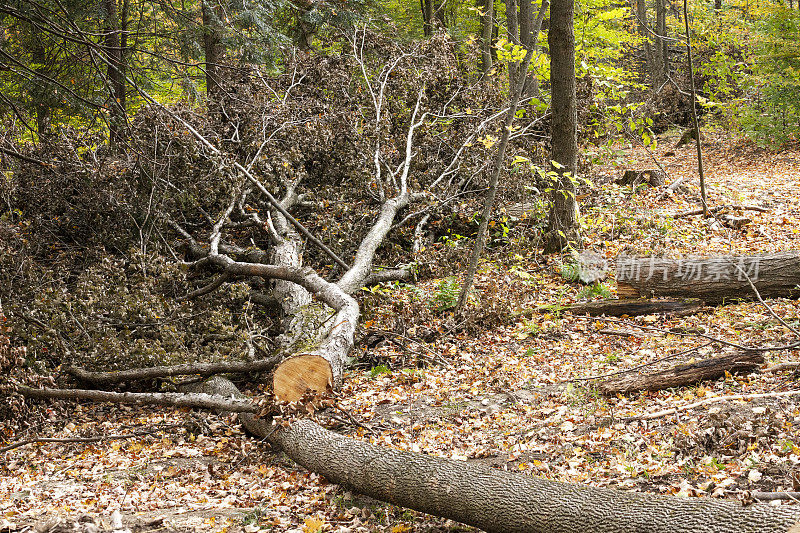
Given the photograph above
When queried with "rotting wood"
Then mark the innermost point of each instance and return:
(685, 374)
(652, 177)
(636, 307)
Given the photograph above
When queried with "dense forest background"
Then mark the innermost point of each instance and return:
(375, 206)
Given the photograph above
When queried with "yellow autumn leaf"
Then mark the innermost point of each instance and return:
(400, 528)
(312, 525)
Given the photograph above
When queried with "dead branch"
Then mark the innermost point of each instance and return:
(771, 496)
(717, 399)
(200, 369)
(97, 438)
(172, 399)
(780, 367)
(719, 208)
(685, 374)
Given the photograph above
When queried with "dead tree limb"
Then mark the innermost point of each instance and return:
(172, 399)
(685, 374)
(716, 399)
(771, 496)
(780, 367)
(636, 307)
(199, 369)
(68, 440)
(719, 208)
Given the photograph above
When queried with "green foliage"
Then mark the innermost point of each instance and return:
(376, 371)
(446, 296)
(773, 118)
(595, 290)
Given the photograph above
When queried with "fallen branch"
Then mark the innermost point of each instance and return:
(98, 438)
(200, 369)
(780, 367)
(636, 307)
(714, 280)
(717, 399)
(685, 374)
(172, 399)
(719, 208)
(770, 496)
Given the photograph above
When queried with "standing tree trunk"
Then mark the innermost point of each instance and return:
(644, 34)
(562, 226)
(695, 122)
(529, 29)
(516, 92)
(116, 74)
(427, 17)
(661, 49)
(487, 27)
(212, 46)
(41, 94)
(512, 21)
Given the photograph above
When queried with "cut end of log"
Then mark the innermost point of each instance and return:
(297, 374)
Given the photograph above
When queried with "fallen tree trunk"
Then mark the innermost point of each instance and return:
(636, 307)
(493, 499)
(712, 280)
(685, 374)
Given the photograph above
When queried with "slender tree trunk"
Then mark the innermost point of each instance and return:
(487, 26)
(116, 81)
(439, 14)
(529, 29)
(695, 122)
(512, 22)
(427, 17)
(661, 54)
(304, 29)
(212, 46)
(516, 92)
(644, 34)
(562, 227)
(41, 97)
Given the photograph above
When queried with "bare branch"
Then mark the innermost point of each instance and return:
(172, 399)
(201, 369)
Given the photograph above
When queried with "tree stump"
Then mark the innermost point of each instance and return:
(651, 177)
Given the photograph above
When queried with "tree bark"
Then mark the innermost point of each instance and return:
(636, 307)
(562, 226)
(644, 35)
(661, 49)
(512, 25)
(427, 17)
(685, 374)
(712, 280)
(212, 46)
(116, 74)
(487, 27)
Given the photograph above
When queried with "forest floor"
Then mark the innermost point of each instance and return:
(503, 396)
